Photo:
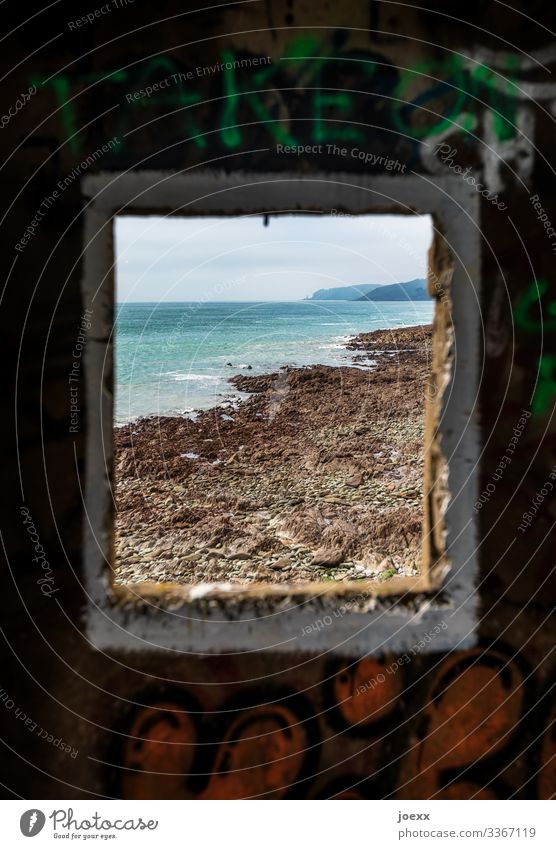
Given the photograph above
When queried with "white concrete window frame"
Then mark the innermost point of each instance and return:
(283, 623)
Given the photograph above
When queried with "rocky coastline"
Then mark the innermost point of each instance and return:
(315, 476)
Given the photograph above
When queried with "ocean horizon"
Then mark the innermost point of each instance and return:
(175, 357)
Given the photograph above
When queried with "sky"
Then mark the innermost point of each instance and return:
(239, 259)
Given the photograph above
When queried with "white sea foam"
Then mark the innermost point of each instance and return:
(331, 347)
(196, 378)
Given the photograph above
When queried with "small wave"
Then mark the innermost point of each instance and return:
(196, 378)
(335, 347)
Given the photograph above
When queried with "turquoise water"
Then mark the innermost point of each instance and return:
(171, 358)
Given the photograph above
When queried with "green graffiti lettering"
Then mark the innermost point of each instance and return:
(487, 87)
(467, 88)
(61, 87)
(545, 392)
(230, 133)
(532, 297)
(449, 81)
(302, 47)
(529, 316)
(426, 99)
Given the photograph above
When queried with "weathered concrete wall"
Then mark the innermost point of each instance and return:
(385, 80)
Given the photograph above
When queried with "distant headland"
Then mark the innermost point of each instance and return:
(411, 290)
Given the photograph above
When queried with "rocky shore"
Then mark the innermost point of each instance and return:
(317, 475)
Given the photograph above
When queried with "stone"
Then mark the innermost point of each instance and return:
(355, 481)
(282, 563)
(327, 557)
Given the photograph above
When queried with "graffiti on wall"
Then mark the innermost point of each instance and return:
(314, 93)
(460, 743)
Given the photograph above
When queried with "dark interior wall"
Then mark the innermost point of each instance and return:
(389, 80)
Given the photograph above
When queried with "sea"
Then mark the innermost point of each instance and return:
(175, 358)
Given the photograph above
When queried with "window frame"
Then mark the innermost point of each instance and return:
(347, 619)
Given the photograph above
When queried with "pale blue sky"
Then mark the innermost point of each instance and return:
(238, 259)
